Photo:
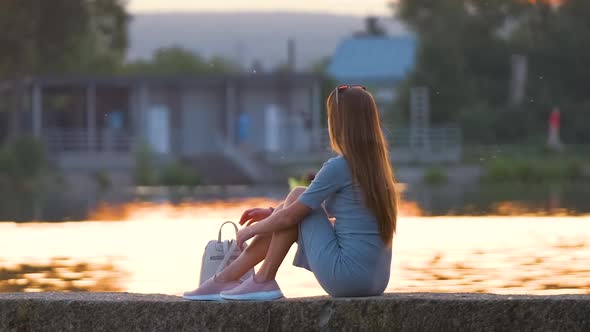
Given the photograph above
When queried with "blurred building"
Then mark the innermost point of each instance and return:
(226, 125)
(378, 62)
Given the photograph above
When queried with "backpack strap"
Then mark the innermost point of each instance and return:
(229, 250)
(220, 228)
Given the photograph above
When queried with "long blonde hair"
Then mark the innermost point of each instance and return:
(355, 133)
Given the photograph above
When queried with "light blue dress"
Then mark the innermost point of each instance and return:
(348, 258)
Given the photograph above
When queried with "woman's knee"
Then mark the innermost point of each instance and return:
(290, 234)
(294, 195)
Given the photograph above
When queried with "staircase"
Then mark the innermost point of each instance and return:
(232, 165)
(217, 169)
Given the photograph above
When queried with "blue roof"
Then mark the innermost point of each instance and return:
(366, 59)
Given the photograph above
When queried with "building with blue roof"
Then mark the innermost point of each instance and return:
(378, 62)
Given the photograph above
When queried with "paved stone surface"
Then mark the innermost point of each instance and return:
(391, 312)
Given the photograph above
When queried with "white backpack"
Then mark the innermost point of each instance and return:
(219, 254)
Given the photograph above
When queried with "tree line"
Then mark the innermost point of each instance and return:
(465, 56)
(61, 37)
(40, 37)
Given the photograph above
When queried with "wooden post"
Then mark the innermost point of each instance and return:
(16, 108)
(91, 117)
(37, 104)
(230, 111)
(420, 121)
(519, 66)
(142, 109)
(316, 113)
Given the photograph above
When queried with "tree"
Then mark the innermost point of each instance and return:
(106, 45)
(372, 28)
(464, 54)
(40, 37)
(43, 37)
(177, 60)
(557, 44)
(461, 57)
(320, 66)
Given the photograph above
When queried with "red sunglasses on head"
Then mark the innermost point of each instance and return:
(346, 87)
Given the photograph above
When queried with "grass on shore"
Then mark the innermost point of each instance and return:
(479, 154)
(531, 171)
(435, 176)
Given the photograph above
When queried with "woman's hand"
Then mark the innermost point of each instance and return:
(253, 215)
(244, 235)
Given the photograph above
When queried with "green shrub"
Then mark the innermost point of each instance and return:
(5, 163)
(22, 161)
(144, 169)
(5, 166)
(178, 174)
(298, 182)
(302, 181)
(435, 176)
(574, 170)
(532, 171)
(102, 180)
(500, 170)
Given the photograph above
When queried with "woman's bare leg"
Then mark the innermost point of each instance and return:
(279, 245)
(249, 258)
(259, 247)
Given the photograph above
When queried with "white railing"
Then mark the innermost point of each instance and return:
(435, 144)
(434, 137)
(78, 140)
(429, 145)
(438, 144)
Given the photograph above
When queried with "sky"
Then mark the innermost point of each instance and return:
(342, 7)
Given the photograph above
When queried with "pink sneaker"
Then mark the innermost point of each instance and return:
(209, 290)
(250, 290)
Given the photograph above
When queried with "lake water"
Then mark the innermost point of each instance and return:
(451, 200)
(156, 248)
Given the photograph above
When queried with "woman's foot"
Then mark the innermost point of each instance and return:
(210, 289)
(250, 290)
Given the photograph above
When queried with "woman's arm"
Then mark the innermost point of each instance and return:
(283, 219)
(251, 216)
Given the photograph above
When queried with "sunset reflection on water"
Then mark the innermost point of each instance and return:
(157, 247)
(60, 274)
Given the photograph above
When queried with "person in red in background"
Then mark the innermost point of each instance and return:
(554, 141)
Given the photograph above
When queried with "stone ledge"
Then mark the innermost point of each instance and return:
(391, 312)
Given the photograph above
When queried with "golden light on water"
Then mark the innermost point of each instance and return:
(509, 208)
(149, 210)
(231, 209)
(60, 274)
(217, 208)
(157, 248)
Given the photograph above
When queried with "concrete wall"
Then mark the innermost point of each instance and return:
(197, 116)
(202, 120)
(393, 312)
(293, 135)
(301, 105)
(253, 102)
